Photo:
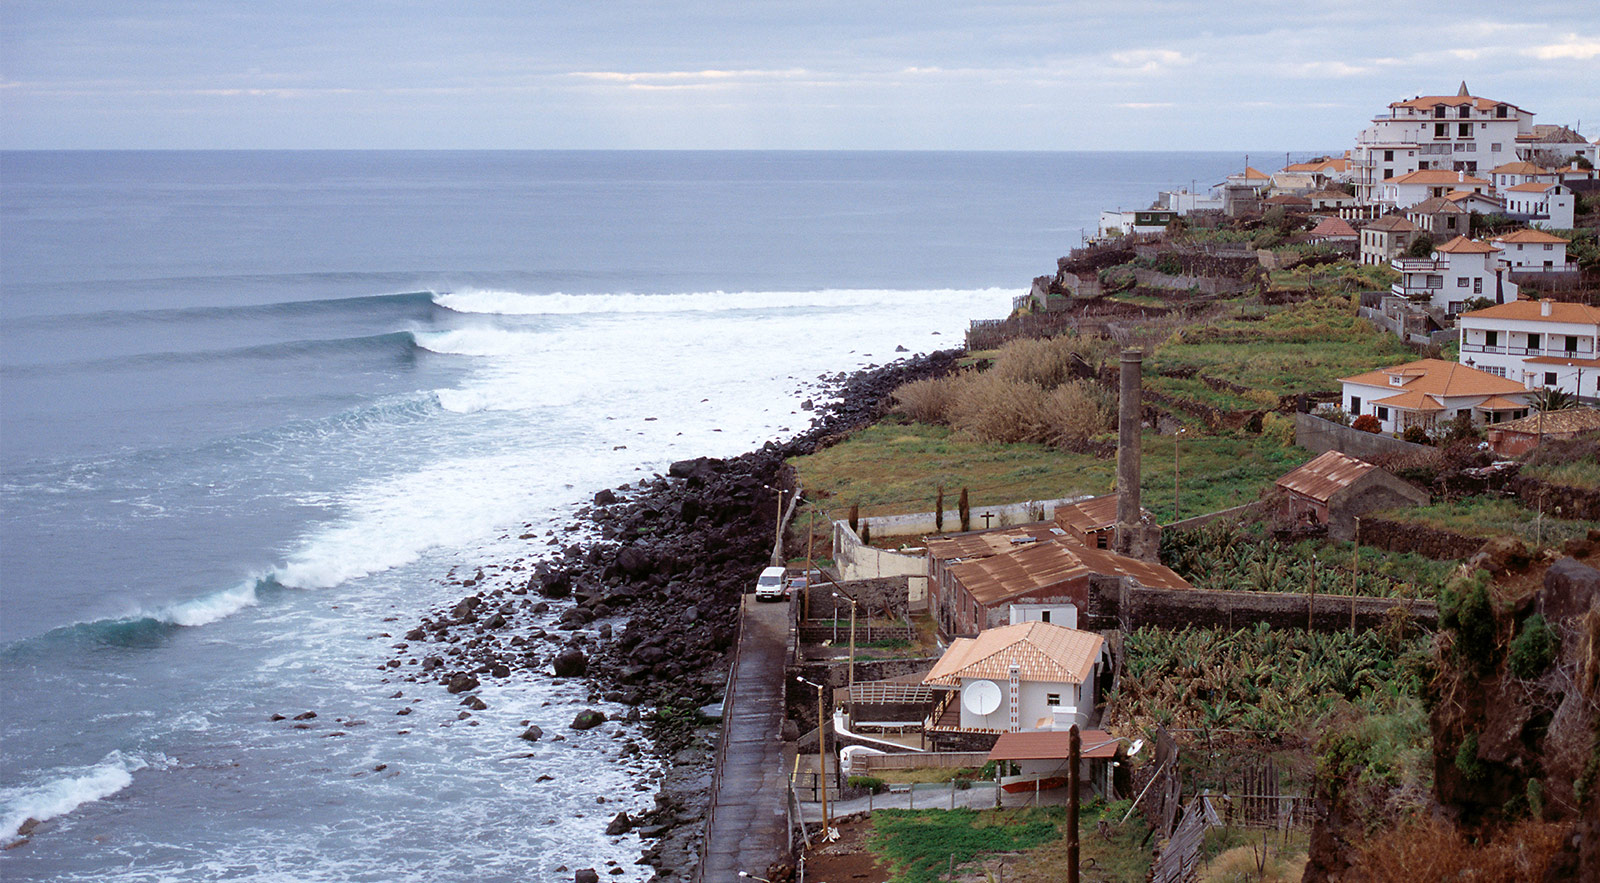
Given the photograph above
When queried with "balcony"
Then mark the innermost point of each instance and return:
(1582, 352)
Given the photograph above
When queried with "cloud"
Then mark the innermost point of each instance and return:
(1144, 105)
(1571, 46)
(700, 79)
(1149, 61)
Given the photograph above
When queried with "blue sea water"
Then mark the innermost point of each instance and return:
(256, 408)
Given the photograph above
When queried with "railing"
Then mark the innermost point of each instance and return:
(932, 721)
(1580, 353)
(728, 697)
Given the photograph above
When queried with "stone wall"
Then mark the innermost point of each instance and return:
(880, 595)
(1203, 284)
(1318, 435)
(1574, 502)
(1119, 603)
(1429, 542)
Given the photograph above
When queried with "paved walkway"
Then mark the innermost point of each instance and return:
(747, 829)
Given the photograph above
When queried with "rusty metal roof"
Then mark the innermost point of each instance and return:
(1053, 745)
(984, 543)
(1042, 651)
(995, 579)
(1325, 475)
(1088, 516)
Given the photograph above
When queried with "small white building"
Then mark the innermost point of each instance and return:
(1414, 187)
(1481, 203)
(1386, 238)
(1546, 202)
(1459, 271)
(1533, 251)
(1185, 203)
(1535, 343)
(1121, 223)
(1431, 393)
(1017, 678)
(1251, 178)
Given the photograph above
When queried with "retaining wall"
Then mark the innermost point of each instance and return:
(1119, 603)
(1429, 542)
(1574, 502)
(1318, 435)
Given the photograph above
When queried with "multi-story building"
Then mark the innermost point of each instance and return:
(1507, 175)
(1458, 132)
(1414, 187)
(1459, 272)
(1386, 238)
(1533, 251)
(1542, 202)
(1535, 343)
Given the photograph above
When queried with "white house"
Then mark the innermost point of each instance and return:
(1144, 221)
(1183, 202)
(1251, 177)
(1511, 174)
(1546, 202)
(1414, 187)
(1430, 393)
(1459, 271)
(1458, 132)
(1442, 219)
(1535, 343)
(1530, 251)
(1472, 201)
(1386, 238)
(1016, 678)
(1553, 145)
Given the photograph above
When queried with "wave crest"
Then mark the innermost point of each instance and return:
(514, 303)
(66, 793)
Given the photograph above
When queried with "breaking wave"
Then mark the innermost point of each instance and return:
(513, 303)
(66, 793)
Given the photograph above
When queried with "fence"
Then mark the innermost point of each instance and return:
(943, 760)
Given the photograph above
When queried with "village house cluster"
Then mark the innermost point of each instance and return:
(1407, 196)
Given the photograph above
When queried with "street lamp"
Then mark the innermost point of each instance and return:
(822, 754)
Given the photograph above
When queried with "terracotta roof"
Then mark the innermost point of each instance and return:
(1531, 310)
(998, 578)
(1054, 745)
(1427, 102)
(1500, 403)
(1532, 186)
(1287, 199)
(1329, 194)
(983, 543)
(1531, 235)
(1436, 205)
(1548, 133)
(1458, 195)
(1394, 223)
(1328, 473)
(1088, 516)
(1570, 420)
(1410, 401)
(1334, 228)
(1436, 176)
(1521, 167)
(1251, 172)
(1463, 245)
(1437, 377)
(1043, 651)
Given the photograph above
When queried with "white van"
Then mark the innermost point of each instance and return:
(769, 587)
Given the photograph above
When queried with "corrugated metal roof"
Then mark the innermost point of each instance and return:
(1087, 516)
(994, 579)
(984, 543)
(1053, 745)
(1322, 477)
(1042, 651)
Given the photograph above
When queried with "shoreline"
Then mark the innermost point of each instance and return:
(643, 604)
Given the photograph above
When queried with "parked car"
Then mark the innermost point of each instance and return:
(769, 586)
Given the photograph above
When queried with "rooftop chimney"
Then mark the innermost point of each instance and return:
(1461, 174)
(1544, 310)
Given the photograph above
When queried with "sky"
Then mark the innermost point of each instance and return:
(764, 74)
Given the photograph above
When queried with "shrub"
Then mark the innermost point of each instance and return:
(1467, 762)
(1278, 429)
(1367, 423)
(1464, 607)
(1421, 247)
(1047, 362)
(872, 784)
(1416, 435)
(926, 401)
(1534, 648)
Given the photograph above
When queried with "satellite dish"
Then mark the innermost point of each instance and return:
(1134, 748)
(981, 697)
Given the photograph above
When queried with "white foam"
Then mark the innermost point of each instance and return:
(66, 793)
(210, 608)
(475, 342)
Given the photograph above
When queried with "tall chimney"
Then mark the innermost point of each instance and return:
(1128, 407)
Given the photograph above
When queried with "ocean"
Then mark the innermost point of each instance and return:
(259, 409)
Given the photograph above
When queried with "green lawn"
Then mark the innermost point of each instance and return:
(1485, 517)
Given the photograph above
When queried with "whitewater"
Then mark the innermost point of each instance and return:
(261, 412)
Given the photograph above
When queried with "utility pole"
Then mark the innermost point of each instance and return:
(1175, 436)
(1074, 749)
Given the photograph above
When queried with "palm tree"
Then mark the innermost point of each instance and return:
(1551, 398)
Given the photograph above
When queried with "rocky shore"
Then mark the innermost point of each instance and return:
(646, 608)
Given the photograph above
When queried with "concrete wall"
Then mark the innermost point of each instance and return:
(920, 524)
(946, 760)
(1318, 435)
(857, 561)
(876, 595)
(1233, 513)
(1117, 603)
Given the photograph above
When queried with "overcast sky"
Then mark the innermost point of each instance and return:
(930, 74)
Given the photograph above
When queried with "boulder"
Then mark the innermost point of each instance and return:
(474, 703)
(531, 734)
(1570, 588)
(461, 683)
(588, 719)
(1500, 555)
(605, 497)
(570, 663)
(586, 875)
(619, 825)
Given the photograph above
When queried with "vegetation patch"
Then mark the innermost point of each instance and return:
(919, 845)
(1242, 558)
(1490, 517)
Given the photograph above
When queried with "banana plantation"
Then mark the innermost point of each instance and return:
(1240, 559)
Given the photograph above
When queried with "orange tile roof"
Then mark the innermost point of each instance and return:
(1335, 228)
(1042, 651)
(1435, 205)
(1436, 176)
(1463, 245)
(1394, 223)
(1531, 235)
(1328, 473)
(1410, 401)
(1330, 194)
(1530, 310)
(1054, 745)
(1427, 102)
(1520, 167)
(1468, 194)
(1564, 361)
(1437, 377)
(1253, 172)
(1500, 403)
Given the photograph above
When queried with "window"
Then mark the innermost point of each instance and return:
(1496, 370)
(1500, 111)
(1477, 285)
(1549, 378)
(1462, 282)
(1572, 343)
(1052, 699)
(1495, 147)
(1464, 130)
(1441, 130)
(1438, 111)
(1044, 616)
(1383, 413)
(1463, 111)
(1101, 540)
(1491, 338)
(1388, 156)
(1355, 404)
(1387, 174)
(1533, 341)
(1549, 246)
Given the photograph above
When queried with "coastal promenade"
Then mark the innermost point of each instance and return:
(746, 828)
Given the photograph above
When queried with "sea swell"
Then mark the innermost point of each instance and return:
(66, 792)
(514, 303)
